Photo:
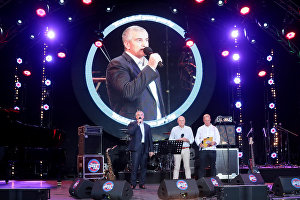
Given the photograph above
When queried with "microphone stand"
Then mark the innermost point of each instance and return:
(265, 143)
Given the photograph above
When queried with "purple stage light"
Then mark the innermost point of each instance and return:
(234, 33)
(51, 34)
(46, 107)
(238, 104)
(273, 130)
(245, 10)
(270, 81)
(49, 58)
(225, 53)
(87, 2)
(26, 73)
(290, 35)
(41, 12)
(273, 155)
(61, 54)
(19, 61)
(271, 105)
(18, 84)
(199, 1)
(98, 43)
(240, 154)
(16, 108)
(237, 80)
(238, 129)
(262, 73)
(236, 56)
(189, 43)
(47, 82)
(269, 58)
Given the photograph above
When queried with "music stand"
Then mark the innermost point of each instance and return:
(169, 147)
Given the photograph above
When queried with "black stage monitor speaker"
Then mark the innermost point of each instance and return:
(81, 188)
(206, 186)
(286, 185)
(178, 189)
(242, 192)
(115, 190)
(248, 179)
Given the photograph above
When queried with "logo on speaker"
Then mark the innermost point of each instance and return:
(296, 182)
(108, 186)
(94, 165)
(252, 178)
(76, 184)
(182, 185)
(214, 182)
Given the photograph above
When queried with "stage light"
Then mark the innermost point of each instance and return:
(269, 58)
(266, 25)
(273, 130)
(270, 81)
(49, 58)
(87, 2)
(273, 155)
(225, 53)
(245, 10)
(238, 129)
(98, 43)
(271, 105)
(26, 73)
(41, 12)
(237, 80)
(70, 19)
(16, 108)
(108, 9)
(189, 42)
(253, 41)
(262, 73)
(19, 22)
(174, 10)
(61, 54)
(212, 19)
(46, 107)
(19, 61)
(235, 56)
(234, 33)
(18, 84)
(32, 37)
(238, 104)
(51, 34)
(290, 35)
(61, 2)
(47, 82)
(220, 3)
(240, 154)
(199, 1)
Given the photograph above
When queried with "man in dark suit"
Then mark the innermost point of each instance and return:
(133, 82)
(141, 146)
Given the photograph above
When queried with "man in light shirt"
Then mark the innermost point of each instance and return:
(185, 134)
(207, 155)
(133, 82)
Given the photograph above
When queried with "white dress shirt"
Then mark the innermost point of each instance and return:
(141, 63)
(142, 127)
(177, 131)
(207, 131)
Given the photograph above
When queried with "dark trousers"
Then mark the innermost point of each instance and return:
(207, 157)
(139, 159)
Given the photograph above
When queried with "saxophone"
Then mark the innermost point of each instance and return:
(110, 173)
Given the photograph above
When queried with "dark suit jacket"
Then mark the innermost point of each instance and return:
(128, 90)
(136, 137)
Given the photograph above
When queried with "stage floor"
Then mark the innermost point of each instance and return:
(62, 192)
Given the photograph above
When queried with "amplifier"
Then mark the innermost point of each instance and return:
(90, 166)
(223, 168)
(89, 140)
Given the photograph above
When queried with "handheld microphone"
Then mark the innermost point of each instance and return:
(139, 121)
(148, 51)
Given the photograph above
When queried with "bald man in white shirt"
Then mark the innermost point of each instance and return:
(207, 155)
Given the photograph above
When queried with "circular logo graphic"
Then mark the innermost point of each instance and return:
(108, 186)
(76, 184)
(94, 165)
(182, 185)
(296, 182)
(252, 178)
(214, 182)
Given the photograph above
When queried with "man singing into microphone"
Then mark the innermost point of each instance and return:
(141, 146)
(133, 82)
